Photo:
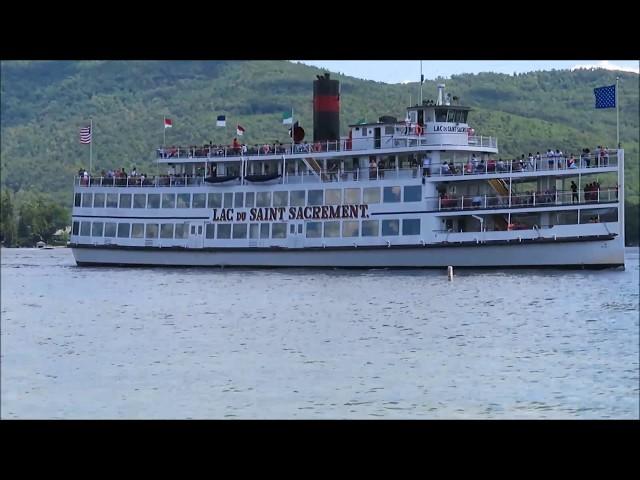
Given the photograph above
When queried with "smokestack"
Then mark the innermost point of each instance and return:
(440, 94)
(326, 109)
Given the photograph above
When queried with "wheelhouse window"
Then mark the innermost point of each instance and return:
(441, 114)
(451, 116)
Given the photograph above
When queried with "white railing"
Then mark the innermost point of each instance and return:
(543, 164)
(534, 199)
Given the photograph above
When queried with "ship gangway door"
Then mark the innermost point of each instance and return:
(196, 234)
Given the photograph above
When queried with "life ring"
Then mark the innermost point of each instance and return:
(419, 129)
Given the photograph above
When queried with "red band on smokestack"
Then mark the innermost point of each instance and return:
(326, 103)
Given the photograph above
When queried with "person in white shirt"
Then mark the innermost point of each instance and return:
(426, 166)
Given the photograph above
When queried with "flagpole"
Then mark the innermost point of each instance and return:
(617, 113)
(421, 80)
(91, 146)
(164, 131)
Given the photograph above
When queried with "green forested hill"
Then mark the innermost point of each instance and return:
(43, 103)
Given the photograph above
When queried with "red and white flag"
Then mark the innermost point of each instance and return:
(85, 135)
(168, 123)
(240, 130)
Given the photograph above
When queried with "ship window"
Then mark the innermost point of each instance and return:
(315, 197)
(139, 200)
(154, 200)
(166, 230)
(390, 228)
(372, 195)
(364, 131)
(451, 116)
(292, 228)
(199, 229)
(183, 200)
(250, 199)
(279, 230)
(87, 199)
(125, 200)
(411, 227)
(85, 229)
(254, 230)
(137, 230)
(168, 200)
(412, 193)
(78, 198)
(413, 116)
(228, 200)
(331, 229)
(224, 230)
(199, 200)
(264, 230)
(392, 194)
(98, 200)
(297, 198)
(123, 230)
(370, 228)
(193, 229)
(240, 230)
(460, 116)
(314, 229)
(300, 229)
(110, 229)
(441, 114)
(333, 196)
(151, 230)
(280, 199)
(388, 130)
(263, 199)
(180, 231)
(112, 200)
(76, 227)
(238, 200)
(211, 230)
(97, 229)
(352, 196)
(214, 200)
(350, 228)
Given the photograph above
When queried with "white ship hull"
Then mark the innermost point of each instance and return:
(577, 254)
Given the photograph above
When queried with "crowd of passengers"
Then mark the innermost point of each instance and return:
(591, 194)
(237, 148)
(554, 160)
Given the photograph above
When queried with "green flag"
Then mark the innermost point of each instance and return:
(287, 118)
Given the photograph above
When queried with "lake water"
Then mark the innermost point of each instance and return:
(87, 343)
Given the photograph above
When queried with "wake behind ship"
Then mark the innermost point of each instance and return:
(423, 191)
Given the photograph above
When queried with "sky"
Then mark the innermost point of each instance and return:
(402, 71)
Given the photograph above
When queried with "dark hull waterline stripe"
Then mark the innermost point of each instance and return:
(514, 242)
(142, 218)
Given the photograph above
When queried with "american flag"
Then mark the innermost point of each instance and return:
(85, 135)
(605, 96)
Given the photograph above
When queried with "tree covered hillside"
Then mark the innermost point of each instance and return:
(43, 104)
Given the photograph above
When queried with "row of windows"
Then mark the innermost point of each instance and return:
(250, 199)
(350, 228)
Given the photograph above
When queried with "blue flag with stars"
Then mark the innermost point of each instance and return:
(605, 96)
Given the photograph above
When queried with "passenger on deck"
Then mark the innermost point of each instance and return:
(445, 169)
(574, 192)
(426, 166)
(501, 167)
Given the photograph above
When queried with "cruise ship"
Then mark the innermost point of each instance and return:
(421, 191)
